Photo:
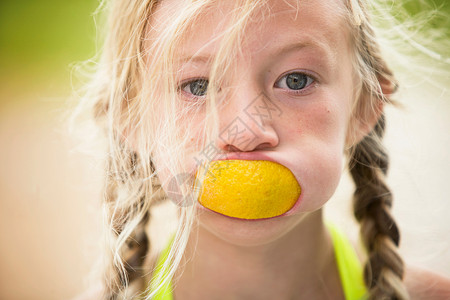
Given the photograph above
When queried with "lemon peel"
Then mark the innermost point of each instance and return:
(249, 189)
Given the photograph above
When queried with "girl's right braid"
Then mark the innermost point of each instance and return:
(133, 252)
(372, 202)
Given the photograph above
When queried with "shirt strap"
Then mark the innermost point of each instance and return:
(349, 266)
(165, 293)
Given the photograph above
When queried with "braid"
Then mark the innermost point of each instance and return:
(372, 202)
(369, 164)
(127, 220)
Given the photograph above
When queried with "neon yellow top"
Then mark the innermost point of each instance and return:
(350, 270)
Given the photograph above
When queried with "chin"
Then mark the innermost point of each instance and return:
(246, 233)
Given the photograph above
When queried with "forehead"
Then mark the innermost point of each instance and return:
(315, 23)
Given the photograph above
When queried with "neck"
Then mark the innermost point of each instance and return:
(298, 265)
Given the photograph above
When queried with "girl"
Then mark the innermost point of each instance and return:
(183, 84)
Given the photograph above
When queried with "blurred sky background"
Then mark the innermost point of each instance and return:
(49, 193)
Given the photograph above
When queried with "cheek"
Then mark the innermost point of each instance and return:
(321, 126)
(318, 142)
(324, 122)
(321, 178)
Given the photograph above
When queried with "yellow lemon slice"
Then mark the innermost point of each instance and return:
(249, 189)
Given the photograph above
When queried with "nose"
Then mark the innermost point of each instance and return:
(247, 122)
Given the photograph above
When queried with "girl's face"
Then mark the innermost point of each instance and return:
(289, 101)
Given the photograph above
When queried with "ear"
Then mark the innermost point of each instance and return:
(367, 114)
(388, 86)
(363, 122)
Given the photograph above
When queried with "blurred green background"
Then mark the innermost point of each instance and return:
(47, 192)
(38, 42)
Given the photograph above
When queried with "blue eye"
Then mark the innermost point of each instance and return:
(197, 87)
(294, 81)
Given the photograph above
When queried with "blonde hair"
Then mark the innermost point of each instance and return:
(122, 98)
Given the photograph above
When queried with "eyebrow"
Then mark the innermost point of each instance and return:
(278, 51)
(294, 46)
(195, 58)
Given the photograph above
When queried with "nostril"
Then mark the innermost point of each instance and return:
(265, 146)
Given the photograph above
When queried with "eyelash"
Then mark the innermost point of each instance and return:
(310, 80)
(186, 84)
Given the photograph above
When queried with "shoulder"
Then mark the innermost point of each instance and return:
(425, 284)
